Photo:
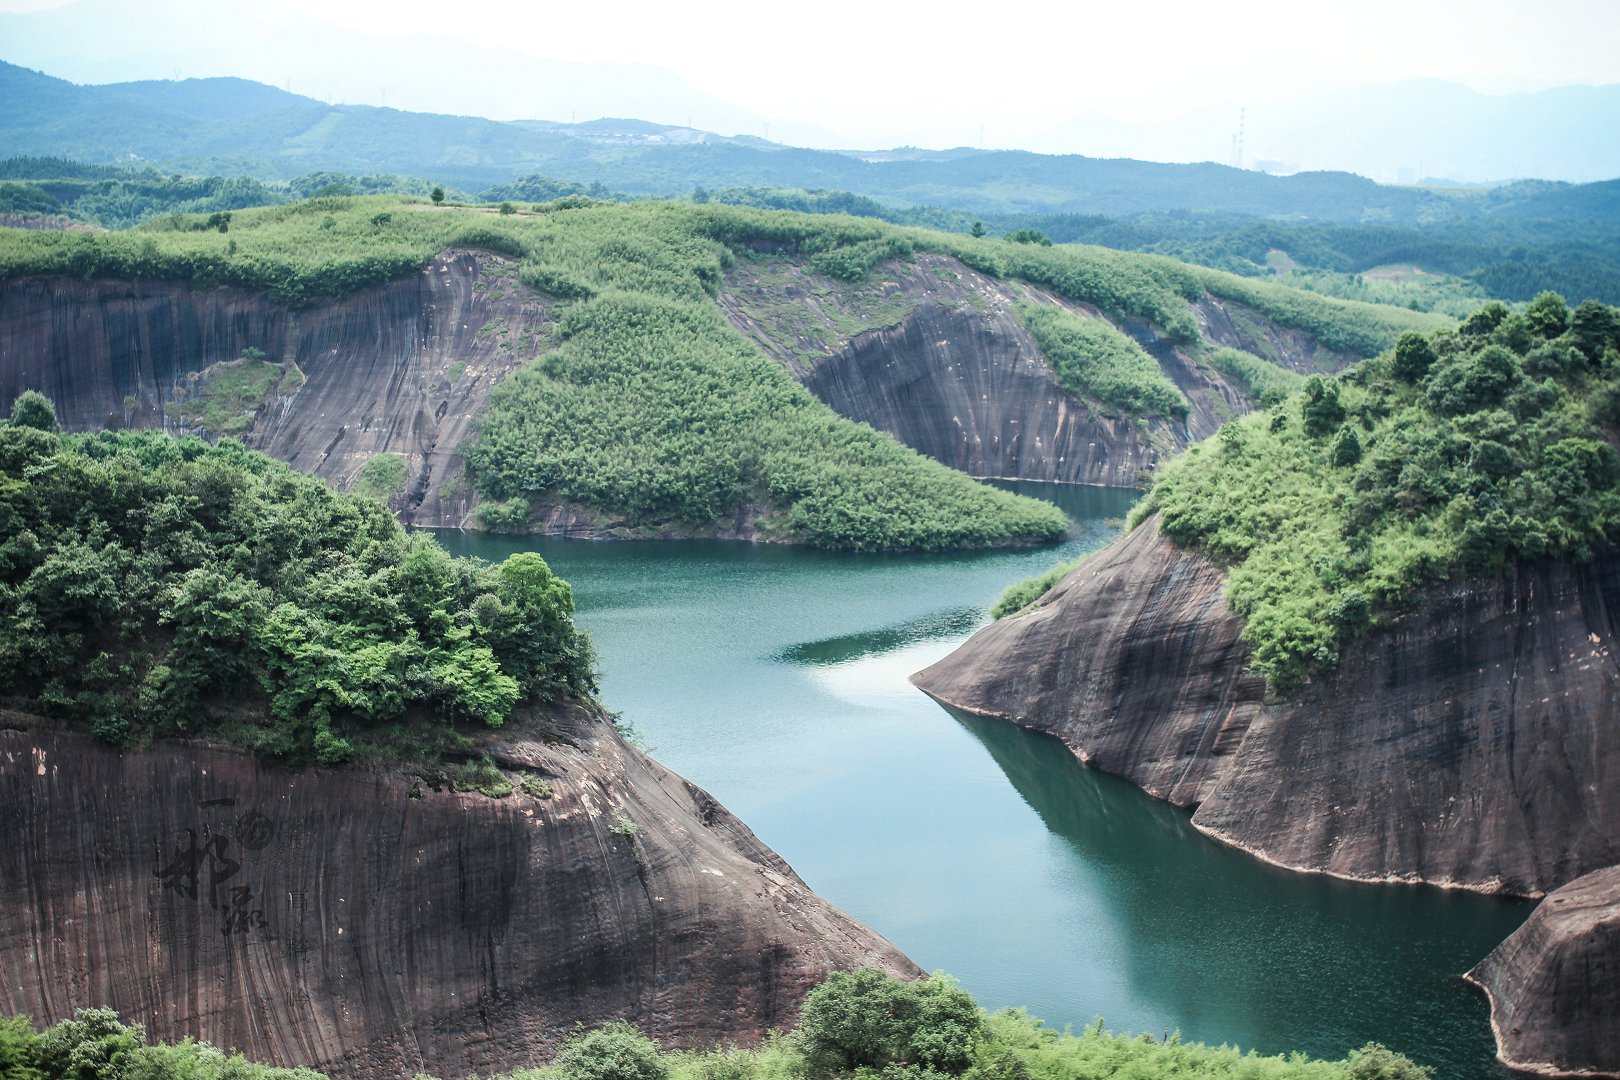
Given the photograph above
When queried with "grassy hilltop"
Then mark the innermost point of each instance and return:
(647, 404)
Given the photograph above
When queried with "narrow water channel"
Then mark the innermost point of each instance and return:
(776, 678)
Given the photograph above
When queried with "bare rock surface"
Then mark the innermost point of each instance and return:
(934, 353)
(1474, 742)
(1555, 984)
(402, 368)
(366, 923)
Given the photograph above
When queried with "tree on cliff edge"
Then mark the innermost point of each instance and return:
(34, 410)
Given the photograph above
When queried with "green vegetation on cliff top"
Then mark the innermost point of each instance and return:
(860, 1024)
(1460, 452)
(1092, 359)
(152, 587)
(654, 409)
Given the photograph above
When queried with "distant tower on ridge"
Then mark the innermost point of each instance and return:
(1237, 141)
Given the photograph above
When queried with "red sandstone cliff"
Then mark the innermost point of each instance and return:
(1473, 742)
(402, 368)
(366, 924)
(1555, 984)
(942, 362)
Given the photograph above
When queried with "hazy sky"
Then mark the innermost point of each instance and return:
(848, 64)
(943, 73)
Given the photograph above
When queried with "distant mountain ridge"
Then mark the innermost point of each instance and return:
(228, 125)
(1396, 131)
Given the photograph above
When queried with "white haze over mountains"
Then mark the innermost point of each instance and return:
(1393, 90)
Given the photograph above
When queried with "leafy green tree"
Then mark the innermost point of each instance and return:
(1321, 408)
(1465, 382)
(1547, 316)
(1594, 327)
(33, 409)
(1414, 355)
(1029, 236)
(618, 1051)
(949, 1026)
(437, 195)
(1346, 448)
(19, 1049)
(1485, 321)
(855, 1019)
(866, 1019)
(977, 230)
(93, 1045)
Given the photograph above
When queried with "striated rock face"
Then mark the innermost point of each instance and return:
(928, 350)
(1555, 984)
(933, 353)
(402, 368)
(1230, 323)
(973, 392)
(1475, 742)
(369, 925)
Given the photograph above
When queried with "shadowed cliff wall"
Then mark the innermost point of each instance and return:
(934, 353)
(402, 368)
(366, 924)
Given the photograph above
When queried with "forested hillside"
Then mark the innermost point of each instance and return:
(1456, 452)
(644, 401)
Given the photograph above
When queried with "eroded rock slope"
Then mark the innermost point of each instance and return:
(926, 349)
(403, 368)
(1474, 742)
(1555, 984)
(933, 352)
(372, 926)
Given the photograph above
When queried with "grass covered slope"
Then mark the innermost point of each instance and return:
(1092, 359)
(151, 586)
(653, 410)
(1459, 452)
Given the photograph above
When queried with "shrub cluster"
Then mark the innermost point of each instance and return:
(1266, 383)
(173, 586)
(861, 1024)
(1093, 360)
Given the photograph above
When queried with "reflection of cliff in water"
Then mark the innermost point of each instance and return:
(1243, 951)
(952, 623)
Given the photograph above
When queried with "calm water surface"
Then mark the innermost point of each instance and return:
(776, 678)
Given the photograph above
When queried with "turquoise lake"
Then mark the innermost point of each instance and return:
(776, 678)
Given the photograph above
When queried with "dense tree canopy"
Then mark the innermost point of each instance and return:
(165, 586)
